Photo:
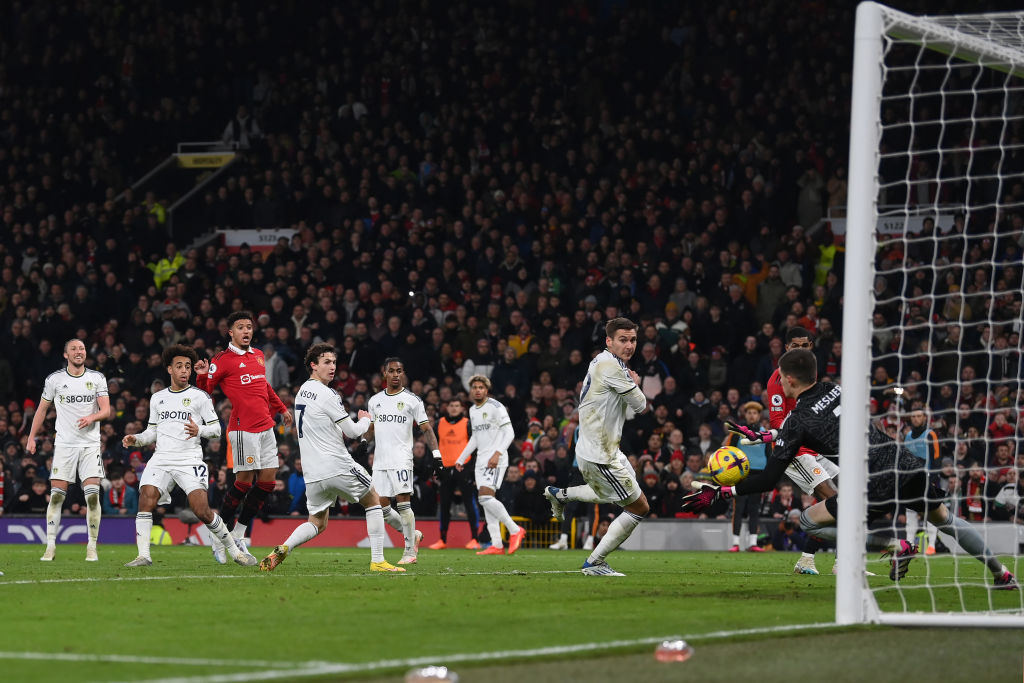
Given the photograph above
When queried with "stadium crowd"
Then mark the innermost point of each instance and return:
(476, 189)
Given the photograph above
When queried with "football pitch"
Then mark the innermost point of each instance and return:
(322, 616)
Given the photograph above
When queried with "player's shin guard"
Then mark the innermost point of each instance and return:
(53, 511)
(306, 531)
(618, 531)
(232, 499)
(583, 494)
(93, 511)
(375, 530)
(408, 526)
(219, 530)
(251, 506)
(497, 510)
(143, 530)
(392, 518)
(971, 541)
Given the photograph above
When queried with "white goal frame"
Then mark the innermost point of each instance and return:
(855, 603)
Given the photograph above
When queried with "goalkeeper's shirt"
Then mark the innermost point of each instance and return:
(609, 397)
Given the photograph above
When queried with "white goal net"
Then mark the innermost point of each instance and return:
(932, 317)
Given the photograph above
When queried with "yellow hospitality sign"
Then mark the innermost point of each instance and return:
(204, 159)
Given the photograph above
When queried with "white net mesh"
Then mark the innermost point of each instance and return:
(946, 374)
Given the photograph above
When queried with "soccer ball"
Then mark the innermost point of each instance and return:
(728, 466)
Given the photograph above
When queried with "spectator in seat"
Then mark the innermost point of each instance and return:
(121, 500)
(33, 499)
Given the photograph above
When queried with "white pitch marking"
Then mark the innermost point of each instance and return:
(145, 659)
(101, 579)
(324, 668)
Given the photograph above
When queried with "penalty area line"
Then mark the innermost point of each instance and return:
(326, 668)
(146, 659)
(323, 575)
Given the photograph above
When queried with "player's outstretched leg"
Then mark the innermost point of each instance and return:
(304, 532)
(53, 511)
(92, 517)
(971, 541)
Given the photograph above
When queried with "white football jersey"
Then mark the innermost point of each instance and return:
(608, 398)
(168, 412)
(319, 414)
(486, 422)
(393, 418)
(75, 398)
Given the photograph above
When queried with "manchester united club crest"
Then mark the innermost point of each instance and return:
(260, 360)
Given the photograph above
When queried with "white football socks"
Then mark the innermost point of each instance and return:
(238, 533)
(306, 531)
(143, 531)
(93, 512)
(219, 532)
(498, 511)
(408, 526)
(583, 494)
(393, 519)
(53, 512)
(375, 530)
(618, 531)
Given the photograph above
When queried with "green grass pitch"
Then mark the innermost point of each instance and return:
(322, 616)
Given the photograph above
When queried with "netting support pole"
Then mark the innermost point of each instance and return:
(852, 595)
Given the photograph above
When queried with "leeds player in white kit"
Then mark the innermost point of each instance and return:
(492, 435)
(328, 469)
(610, 395)
(179, 416)
(80, 398)
(394, 411)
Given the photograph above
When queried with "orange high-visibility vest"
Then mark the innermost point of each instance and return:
(452, 437)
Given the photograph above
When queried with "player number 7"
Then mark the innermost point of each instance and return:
(300, 409)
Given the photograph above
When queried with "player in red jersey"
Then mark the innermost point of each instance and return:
(240, 371)
(812, 472)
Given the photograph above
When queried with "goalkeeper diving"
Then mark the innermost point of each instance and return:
(894, 475)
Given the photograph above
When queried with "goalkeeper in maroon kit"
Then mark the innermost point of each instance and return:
(240, 371)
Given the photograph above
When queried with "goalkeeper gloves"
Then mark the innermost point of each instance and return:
(749, 436)
(705, 496)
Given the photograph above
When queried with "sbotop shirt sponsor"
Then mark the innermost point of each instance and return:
(75, 398)
(393, 419)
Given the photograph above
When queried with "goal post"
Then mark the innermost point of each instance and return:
(936, 133)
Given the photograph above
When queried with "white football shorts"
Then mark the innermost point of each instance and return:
(351, 486)
(613, 483)
(165, 477)
(807, 471)
(390, 483)
(491, 477)
(252, 450)
(74, 461)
